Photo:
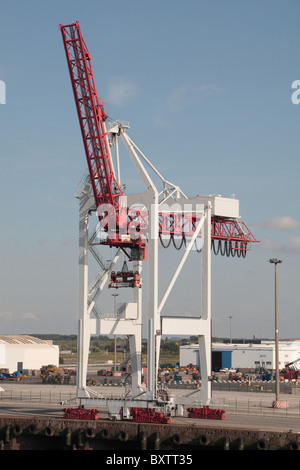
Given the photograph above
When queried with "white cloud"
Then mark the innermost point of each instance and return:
(269, 245)
(282, 223)
(29, 316)
(186, 96)
(292, 245)
(181, 98)
(121, 91)
(160, 121)
(67, 241)
(6, 315)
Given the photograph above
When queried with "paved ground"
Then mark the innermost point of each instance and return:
(246, 410)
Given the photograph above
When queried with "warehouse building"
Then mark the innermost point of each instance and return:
(21, 352)
(243, 356)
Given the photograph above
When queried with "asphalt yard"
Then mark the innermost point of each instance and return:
(248, 410)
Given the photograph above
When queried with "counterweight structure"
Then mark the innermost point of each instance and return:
(133, 225)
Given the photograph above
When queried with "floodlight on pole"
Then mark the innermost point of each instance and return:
(276, 261)
(230, 317)
(115, 336)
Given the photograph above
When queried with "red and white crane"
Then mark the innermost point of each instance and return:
(134, 224)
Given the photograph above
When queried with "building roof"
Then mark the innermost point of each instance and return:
(23, 340)
(264, 345)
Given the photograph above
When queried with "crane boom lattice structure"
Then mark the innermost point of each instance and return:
(92, 118)
(91, 114)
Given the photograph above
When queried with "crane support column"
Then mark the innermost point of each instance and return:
(205, 340)
(135, 341)
(83, 340)
(153, 315)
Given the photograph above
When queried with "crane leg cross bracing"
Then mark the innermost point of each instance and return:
(134, 224)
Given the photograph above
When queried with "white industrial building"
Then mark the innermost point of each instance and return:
(244, 355)
(18, 352)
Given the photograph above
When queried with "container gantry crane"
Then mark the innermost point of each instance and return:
(134, 224)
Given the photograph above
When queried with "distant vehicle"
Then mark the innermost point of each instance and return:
(14, 376)
(225, 369)
(290, 371)
(264, 374)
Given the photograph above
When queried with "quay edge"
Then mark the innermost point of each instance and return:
(37, 433)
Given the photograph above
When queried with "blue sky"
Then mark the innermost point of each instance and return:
(206, 87)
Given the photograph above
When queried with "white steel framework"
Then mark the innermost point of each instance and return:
(158, 324)
(151, 216)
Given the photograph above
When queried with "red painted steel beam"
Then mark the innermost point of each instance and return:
(92, 116)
